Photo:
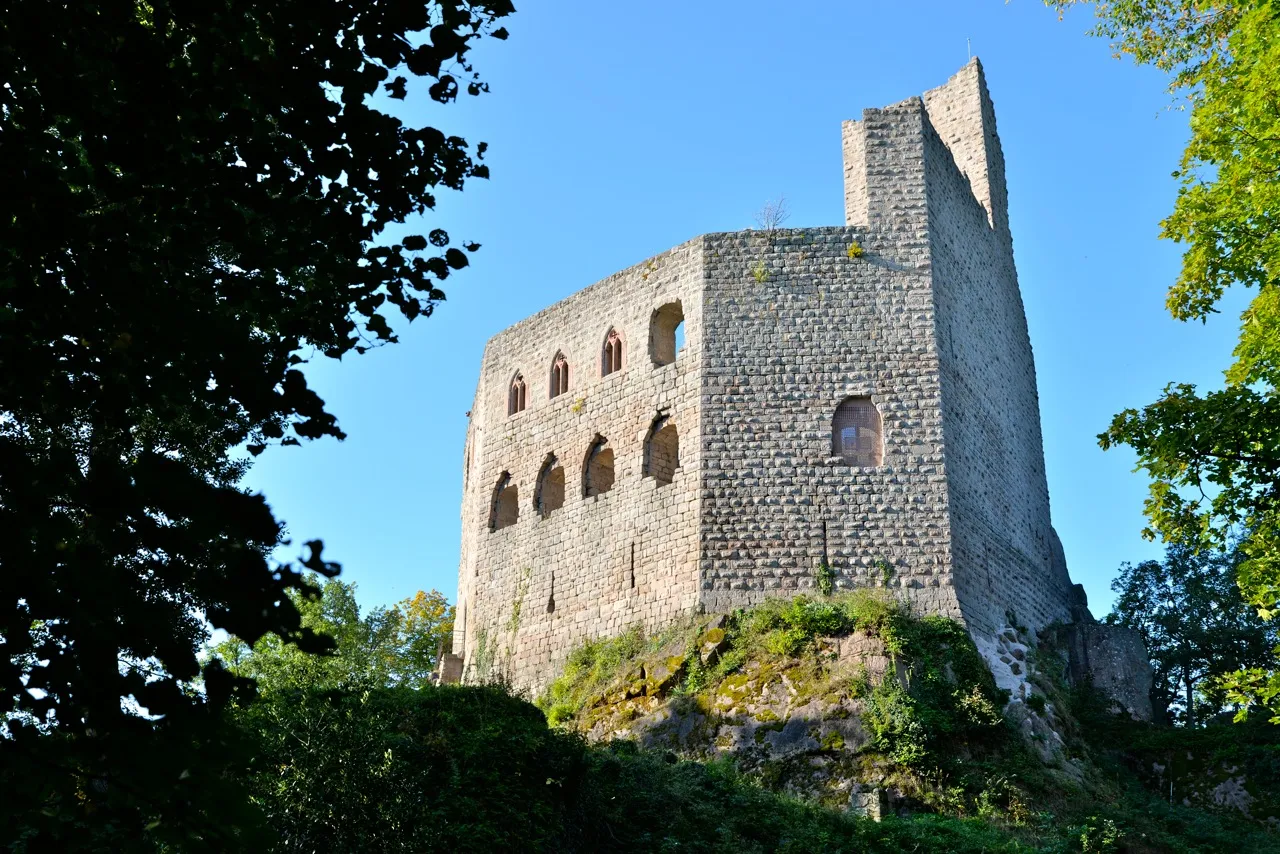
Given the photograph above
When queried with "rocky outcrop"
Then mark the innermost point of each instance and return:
(1114, 660)
(831, 718)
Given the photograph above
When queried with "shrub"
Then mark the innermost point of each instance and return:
(825, 578)
(590, 668)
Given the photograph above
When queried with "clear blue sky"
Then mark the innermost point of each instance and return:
(617, 130)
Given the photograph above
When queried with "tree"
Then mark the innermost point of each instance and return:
(773, 214)
(388, 647)
(1196, 626)
(1214, 457)
(424, 632)
(198, 198)
(393, 769)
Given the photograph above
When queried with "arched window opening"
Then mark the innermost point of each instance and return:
(550, 493)
(662, 451)
(597, 472)
(516, 395)
(666, 333)
(506, 504)
(559, 375)
(857, 434)
(611, 355)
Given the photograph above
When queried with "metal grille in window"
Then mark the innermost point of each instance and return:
(856, 433)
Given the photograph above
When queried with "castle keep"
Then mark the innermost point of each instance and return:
(859, 397)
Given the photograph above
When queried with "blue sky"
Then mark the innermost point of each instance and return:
(618, 130)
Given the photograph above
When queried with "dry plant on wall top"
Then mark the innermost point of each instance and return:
(774, 213)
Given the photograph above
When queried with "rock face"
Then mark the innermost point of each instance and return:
(1215, 780)
(1114, 659)
(796, 727)
(837, 722)
(860, 398)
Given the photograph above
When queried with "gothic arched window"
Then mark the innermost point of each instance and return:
(516, 395)
(559, 375)
(611, 355)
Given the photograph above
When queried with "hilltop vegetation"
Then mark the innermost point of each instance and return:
(356, 757)
(201, 197)
(830, 698)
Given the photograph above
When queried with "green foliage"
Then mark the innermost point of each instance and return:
(398, 769)
(590, 668)
(893, 718)
(1214, 457)
(760, 272)
(948, 696)
(176, 788)
(786, 627)
(197, 196)
(473, 769)
(1196, 626)
(824, 578)
(1097, 835)
(855, 250)
(886, 571)
(388, 646)
(634, 801)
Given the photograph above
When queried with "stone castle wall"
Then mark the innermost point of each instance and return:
(923, 317)
(999, 497)
(780, 357)
(599, 564)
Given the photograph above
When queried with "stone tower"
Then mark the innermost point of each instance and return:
(862, 397)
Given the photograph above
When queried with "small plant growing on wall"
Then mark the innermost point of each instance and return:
(824, 577)
(577, 405)
(482, 662)
(855, 250)
(760, 272)
(886, 571)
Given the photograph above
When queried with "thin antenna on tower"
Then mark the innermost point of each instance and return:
(968, 47)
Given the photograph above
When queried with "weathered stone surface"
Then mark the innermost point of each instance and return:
(711, 645)
(724, 485)
(450, 668)
(660, 675)
(788, 717)
(1115, 660)
(871, 803)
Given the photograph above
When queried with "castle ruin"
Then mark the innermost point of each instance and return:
(859, 400)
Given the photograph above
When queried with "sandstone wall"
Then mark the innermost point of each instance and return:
(1002, 538)
(913, 304)
(598, 564)
(780, 356)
